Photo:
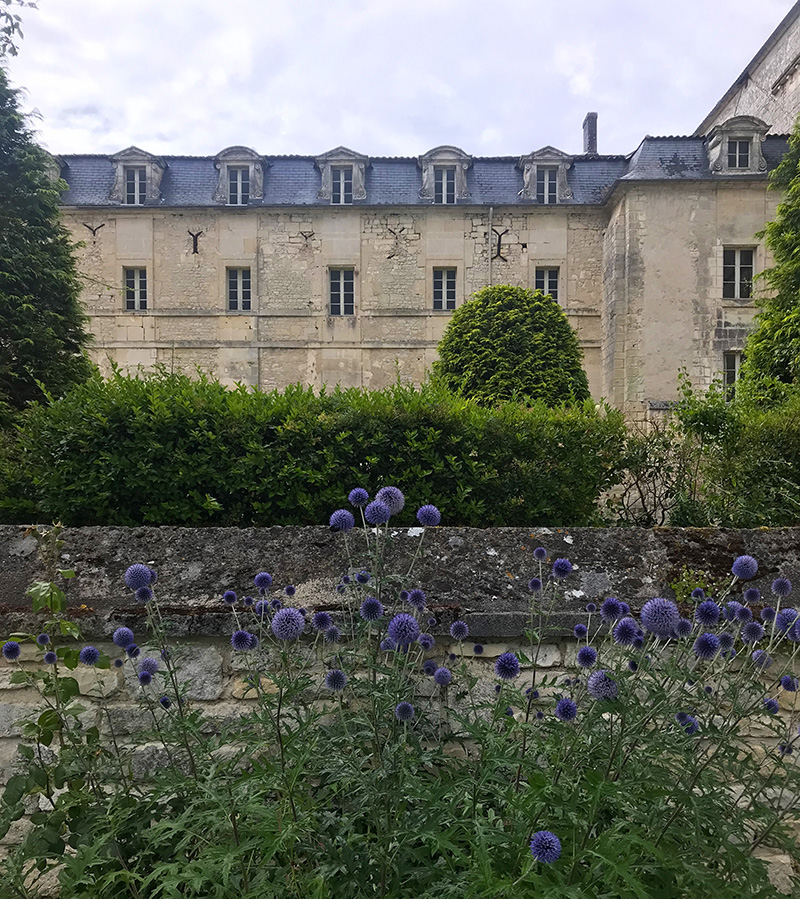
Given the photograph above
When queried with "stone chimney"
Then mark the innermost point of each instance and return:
(590, 134)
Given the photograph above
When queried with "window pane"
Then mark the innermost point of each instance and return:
(451, 186)
(729, 257)
(438, 193)
(336, 305)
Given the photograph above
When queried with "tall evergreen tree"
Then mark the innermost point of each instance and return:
(42, 327)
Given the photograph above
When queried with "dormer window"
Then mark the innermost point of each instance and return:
(135, 185)
(241, 176)
(544, 176)
(444, 175)
(342, 175)
(546, 184)
(341, 185)
(734, 147)
(137, 178)
(738, 153)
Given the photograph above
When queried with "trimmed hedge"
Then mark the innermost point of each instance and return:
(168, 449)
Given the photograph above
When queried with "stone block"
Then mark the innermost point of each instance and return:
(97, 682)
(242, 689)
(201, 669)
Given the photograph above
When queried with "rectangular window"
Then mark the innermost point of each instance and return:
(135, 185)
(731, 363)
(238, 185)
(546, 184)
(135, 289)
(547, 281)
(738, 154)
(342, 298)
(737, 274)
(444, 289)
(444, 184)
(342, 185)
(239, 290)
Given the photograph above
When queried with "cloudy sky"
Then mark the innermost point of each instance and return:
(383, 77)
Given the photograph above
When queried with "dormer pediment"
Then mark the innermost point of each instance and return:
(548, 154)
(356, 167)
(241, 176)
(341, 154)
(448, 157)
(131, 187)
(539, 169)
(735, 146)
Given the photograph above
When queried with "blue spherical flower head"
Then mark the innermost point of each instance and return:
(768, 614)
(706, 646)
(442, 676)
(638, 642)
(43, 639)
(138, 576)
(781, 586)
(785, 748)
(683, 628)
(335, 680)
(89, 655)
(752, 632)
(321, 621)
(229, 597)
(707, 613)
(540, 554)
(545, 847)
(771, 705)
(118, 663)
(342, 520)
(429, 666)
(611, 609)
(698, 593)
(690, 724)
(391, 497)
(50, 658)
(751, 594)
(289, 590)
(403, 629)
(591, 607)
(123, 637)
(587, 656)
(625, 609)
(580, 631)
(363, 577)
(731, 610)
(743, 614)
(506, 667)
(248, 601)
(377, 513)
(153, 576)
(371, 609)
(477, 649)
(535, 585)
(358, 497)
(601, 686)
(145, 678)
(288, 624)
(745, 568)
(726, 641)
(660, 616)
(150, 665)
(346, 579)
(242, 641)
(417, 598)
(261, 608)
(497, 688)
(165, 702)
(429, 516)
(459, 630)
(633, 665)
(132, 651)
(387, 645)
(785, 619)
(562, 568)
(143, 594)
(761, 659)
(426, 641)
(566, 710)
(332, 634)
(789, 683)
(276, 604)
(404, 711)
(625, 632)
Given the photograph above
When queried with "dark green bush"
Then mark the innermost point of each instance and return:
(168, 449)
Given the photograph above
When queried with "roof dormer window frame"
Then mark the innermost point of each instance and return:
(230, 160)
(444, 159)
(545, 161)
(341, 159)
(726, 153)
(147, 189)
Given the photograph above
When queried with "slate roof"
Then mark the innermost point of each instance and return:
(396, 181)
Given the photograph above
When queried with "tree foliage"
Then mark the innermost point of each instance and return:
(42, 333)
(509, 342)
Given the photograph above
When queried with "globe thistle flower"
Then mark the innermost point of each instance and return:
(289, 590)
(429, 516)
(442, 676)
(726, 641)
(683, 628)
(638, 642)
(335, 680)
(429, 666)
(539, 714)
(768, 614)
(404, 594)
(393, 498)
(276, 604)
(534, 694)
(698, 593)
(118, 663)
(153, 576)
(708, 689)
(562, 568)
(752, 632)
(745, 568)
(229, 598)
(132, 651)
(358, 497)
(143, 594)
(89, 655)
(591, 607)
(706, 646)
(707, 613)
(371, 609)
(332, 634)
(122, 637)
(587, 656)
(426, 641)
(263, 581)
(43, 639)
(690, 724)
(321, 621)
(477, 649)
(535, 585)
(341, 520)
(363, 577)
(580, 631)
(566, 710)
(248, 601)
(540, 554)
(138, 576)
(459, 630)
(242, 641)
(781, 586)
(417, 599)
(345, 579)
(149, 664)
(145, 678)
(610, 610)
(403, 629)
(751, 594)
(497, 688)
(387, 645)
(633, 665)
(743, 614)
(50, 657)
(625, 609)
(262, 608)
(404, 711)
(601, 686)
(625, 632)
(789, 683)
(452, 657)
(567, 681)
(793, 633)
(165, 702)
(731, 610)
(288, 624)
(771, 705)
(785, 619)
(506, 667)
(660, 616)
(785, 748)
(761, 659)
